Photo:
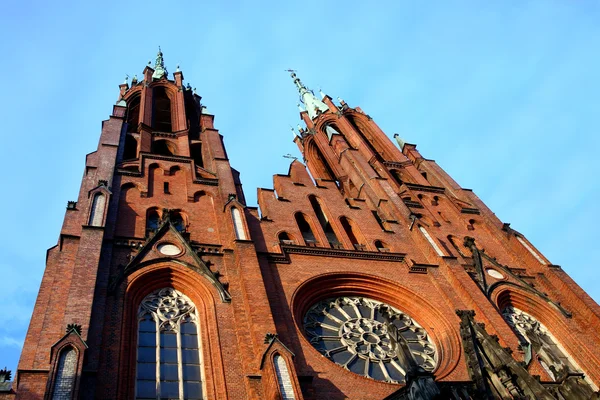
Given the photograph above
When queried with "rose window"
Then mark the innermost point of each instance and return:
(353, 333)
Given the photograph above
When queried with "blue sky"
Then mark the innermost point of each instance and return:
(502, 94)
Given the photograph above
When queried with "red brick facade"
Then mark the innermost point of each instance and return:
(387, 224)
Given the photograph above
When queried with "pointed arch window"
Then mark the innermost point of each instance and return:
(152, 219)
(133, 114)
(238, 224)
(286, 389)
(65, 375)
(178, 221)
(325, 224)
(550, 354)
(169, 361)
(431, 241)
(161, 120)
(305, 229)
(97, 212)
(352, 233)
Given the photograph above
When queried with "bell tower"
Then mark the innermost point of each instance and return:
(399, 275)
(154, 289)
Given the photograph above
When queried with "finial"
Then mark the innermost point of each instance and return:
(300, 107)
(159, 66)
(293, 132)
(342, 102)
(321, 93)
(126, 78)
(195, 92)
(400, 141)
(188, 87)
(134, 80)
(313, 106)
(177, 70)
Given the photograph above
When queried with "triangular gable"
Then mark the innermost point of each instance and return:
(150, 254)
(488, 283)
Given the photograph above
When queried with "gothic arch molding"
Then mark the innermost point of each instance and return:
(443, 332)
(550, 316)
(205, 297)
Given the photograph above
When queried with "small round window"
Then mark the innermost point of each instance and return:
(353, 333)
(168, 249)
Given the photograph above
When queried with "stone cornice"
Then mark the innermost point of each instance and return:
(424, 188)
(284, 258)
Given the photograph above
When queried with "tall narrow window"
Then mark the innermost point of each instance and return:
(432, 242)
(97, 212)
(169, 363)
(283, 378)
(307, 233)
(130, 150)
(65, 375)
(152, 219)
(133, 114)
(530, 250)
(238, 225)
(162, 110)
(327, 228)
(352, 233)
(177, 221)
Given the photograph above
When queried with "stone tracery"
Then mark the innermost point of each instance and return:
(353, 333)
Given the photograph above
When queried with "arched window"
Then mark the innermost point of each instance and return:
(178, 221)
(152, 219)
(551, 356)
(97, 211)
(130, 150)
(161, 120)
(318, 165)
(238, 224)
(286, 389)
(133, 114)
(327, 228)
(164, 148)
(65, 375)
(397, 176)
(352, 233)
(431, 241)
(169, 360)
(307, 233)
(285, 238)
(381, 246)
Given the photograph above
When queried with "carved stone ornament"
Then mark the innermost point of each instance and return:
(353, 333)
(169, 307)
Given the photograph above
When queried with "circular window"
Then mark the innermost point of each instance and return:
(494, 274)
(353, 333)
(168, 249)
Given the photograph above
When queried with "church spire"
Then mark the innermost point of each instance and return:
(159, 66)
(313, 105)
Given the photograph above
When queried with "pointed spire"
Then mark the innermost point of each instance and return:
(313, 105)
(399, 140)
(159, 66)
(322, 94)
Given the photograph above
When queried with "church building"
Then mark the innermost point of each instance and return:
(365, 273)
